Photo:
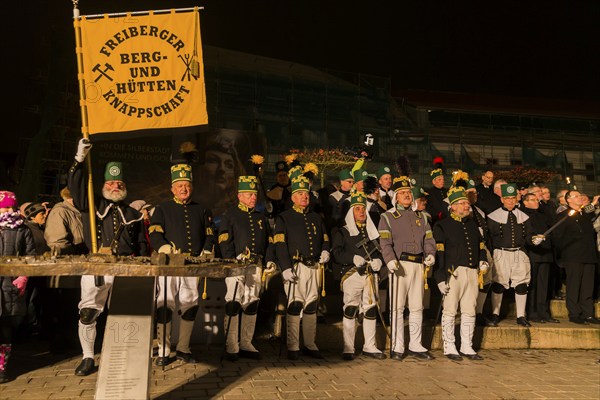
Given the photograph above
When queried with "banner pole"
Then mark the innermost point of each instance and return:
(84, 124)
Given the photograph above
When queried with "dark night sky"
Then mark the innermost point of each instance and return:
(544, 49)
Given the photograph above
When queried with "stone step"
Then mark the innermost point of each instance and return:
(558, 308)
(564, 335)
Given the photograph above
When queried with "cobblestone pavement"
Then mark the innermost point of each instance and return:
(504, 374)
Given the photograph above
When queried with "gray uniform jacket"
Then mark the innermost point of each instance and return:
(405, 231)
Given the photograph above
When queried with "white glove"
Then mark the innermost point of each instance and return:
(393, 266)
(289, 276)
(358, 260)
(240, 256)
(166, 248)
(271, 267)
(83, 148)
(376, 264)
(207, 254)
(538, 239)
(324, 257)
(484, 266)
(444, 289)
(429, 260)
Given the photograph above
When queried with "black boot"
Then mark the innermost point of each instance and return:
(5, 350)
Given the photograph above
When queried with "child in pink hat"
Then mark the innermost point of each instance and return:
(17, 240)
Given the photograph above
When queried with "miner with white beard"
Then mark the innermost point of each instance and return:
(119, 231)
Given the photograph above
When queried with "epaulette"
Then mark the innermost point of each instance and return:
(396, 214)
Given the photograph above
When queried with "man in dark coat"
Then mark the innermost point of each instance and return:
(118, 230)
(574, 240)
(540, 258)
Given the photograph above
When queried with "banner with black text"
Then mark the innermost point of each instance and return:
(143, 72)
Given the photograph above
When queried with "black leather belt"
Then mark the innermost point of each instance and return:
(510, 248)
(310, 263)
(416, 258)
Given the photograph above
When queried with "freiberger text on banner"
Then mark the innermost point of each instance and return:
(143, 72)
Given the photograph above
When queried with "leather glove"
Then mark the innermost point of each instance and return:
(376, 264)
(484, 266)
(393, 266)
(429, 260)
(21, 284)
(166, 248)
(358, 261)
(289, 276)
(324, 257)
(444, 289)
(83, 148)
(538, 239)
(271, 267)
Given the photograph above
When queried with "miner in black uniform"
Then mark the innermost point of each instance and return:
(244, 235)
(384, 176)
(436, 206)
(575, 243)
(359, 276)
(179, 225)
(461, 259)
(119, 231)
(302, 247)
(479, 216)
(509, 232)
(336, 200)
(279, 193)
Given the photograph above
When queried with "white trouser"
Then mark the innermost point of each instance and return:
(407, 283)
(464, 288)
(248, 288)
(511, 268)
(185, 288)
(93, 296)
(358, 292)
(305, 291)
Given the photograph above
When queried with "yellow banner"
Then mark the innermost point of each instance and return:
(143, 72)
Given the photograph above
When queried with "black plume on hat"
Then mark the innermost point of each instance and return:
(370, 185)
(403, 166)
(281, 166)
(189, 152)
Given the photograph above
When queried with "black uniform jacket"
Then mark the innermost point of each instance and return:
(509, 229)
(109, 217)
(242, 227)
(187, 227)
(343, 249)
(458, 243)
(436, 206)
(299, 235)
